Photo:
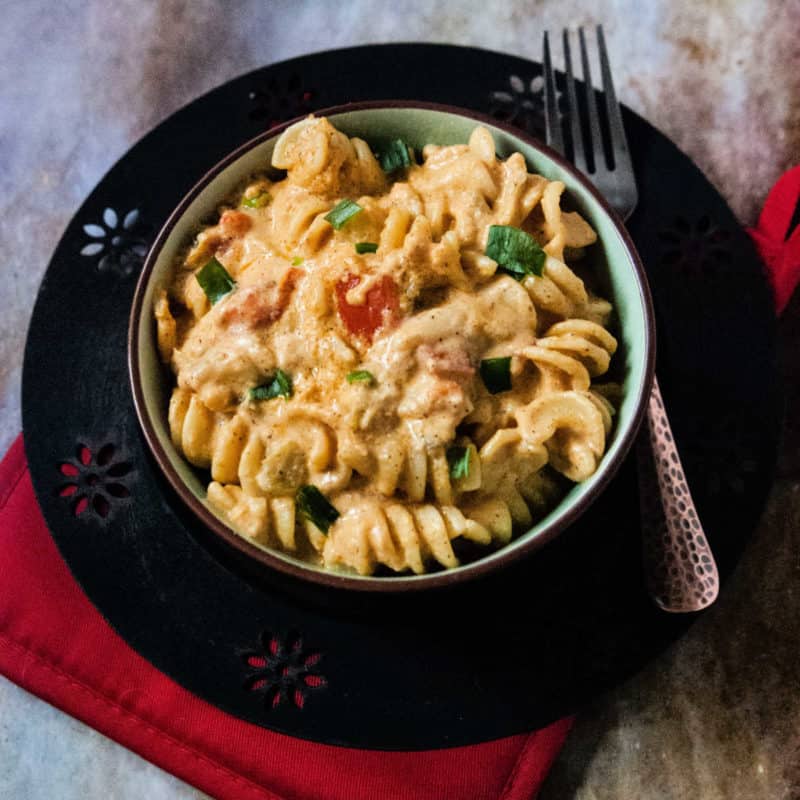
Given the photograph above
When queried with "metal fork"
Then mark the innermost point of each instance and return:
(679, 567)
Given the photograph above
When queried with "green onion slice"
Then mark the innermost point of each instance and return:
(259, 201)
(342, 212)
(395, 156)
(458, 459)
(515, 251)
(215, 281)
(297, 261)
(366, 247)
(496, 374)
(314, 506)
(360, 376)
(280, 385)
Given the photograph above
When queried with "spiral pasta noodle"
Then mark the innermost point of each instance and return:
(398, 536)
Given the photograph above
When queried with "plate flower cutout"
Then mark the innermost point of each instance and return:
(282, 670)
(522, 103)
(700, 247)
(96, 482)
(118, 246)
(278, 101)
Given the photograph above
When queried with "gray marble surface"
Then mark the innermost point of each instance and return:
(719, 715)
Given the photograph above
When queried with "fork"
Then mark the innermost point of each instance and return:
(680, 570)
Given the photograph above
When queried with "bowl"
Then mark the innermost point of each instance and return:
(614, 257)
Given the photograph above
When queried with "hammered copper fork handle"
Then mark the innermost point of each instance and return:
(679, 566)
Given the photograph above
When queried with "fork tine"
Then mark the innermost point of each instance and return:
(553, 134)
(578, 145)
(619, 144)
(591, 105)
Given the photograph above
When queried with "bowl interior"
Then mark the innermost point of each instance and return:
(609, 257)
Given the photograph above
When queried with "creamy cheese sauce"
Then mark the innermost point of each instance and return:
(419, 315)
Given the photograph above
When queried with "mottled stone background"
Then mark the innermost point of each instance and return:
(717, 717)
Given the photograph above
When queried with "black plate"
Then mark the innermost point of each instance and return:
(497, 657)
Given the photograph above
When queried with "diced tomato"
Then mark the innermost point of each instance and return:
(234, 223)
(258, 306)
(446, 361)
(381, 308)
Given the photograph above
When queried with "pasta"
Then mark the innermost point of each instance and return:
(383, 364)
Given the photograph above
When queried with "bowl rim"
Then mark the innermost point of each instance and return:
(495, 560)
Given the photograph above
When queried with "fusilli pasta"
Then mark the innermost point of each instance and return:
(367, 375)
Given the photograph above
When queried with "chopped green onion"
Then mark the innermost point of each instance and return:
(515, 251)
(279, 386)
(458, 459)
(395, 156)
(366, 247)
(259, 201)
(297, 261)
(342, 212)
(215, 281)
(360, 376)
(496, 374)
(314, 506)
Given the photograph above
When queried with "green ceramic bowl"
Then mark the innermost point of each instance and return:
(613, 257)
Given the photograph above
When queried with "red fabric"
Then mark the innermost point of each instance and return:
(778, 246)
(55, 644)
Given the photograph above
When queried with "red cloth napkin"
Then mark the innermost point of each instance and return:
(778, 246)
(54, 643)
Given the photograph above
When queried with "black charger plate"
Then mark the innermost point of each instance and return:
(500, 656)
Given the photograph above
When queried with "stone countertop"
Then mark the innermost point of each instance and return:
(718, 716)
